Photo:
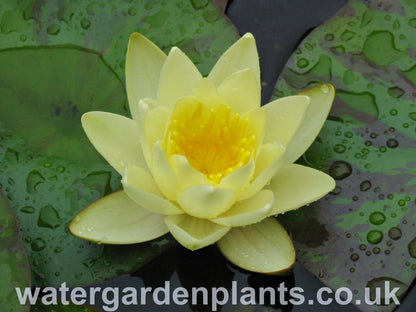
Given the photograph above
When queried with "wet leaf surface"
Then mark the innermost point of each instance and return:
(368, 145)
(14, 267)
(58, 60)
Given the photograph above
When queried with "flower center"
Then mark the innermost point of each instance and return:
(215, 140)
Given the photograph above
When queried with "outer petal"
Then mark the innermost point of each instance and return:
(206, 201)
(321, 98)
(241, 55)
(263, 178)
(178, 78)
(138, 184)
(116, 219)
(263, 247)
(144, 62)
(296, 185)
(115, 137)
(241, 91)
(284, 117)
(249, 211)
(194, 233)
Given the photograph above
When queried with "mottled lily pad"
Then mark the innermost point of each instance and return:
(60, 59)
(14, 267)
(363, 233)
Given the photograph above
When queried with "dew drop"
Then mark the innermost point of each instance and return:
(33, 180)
(38, 244)
(374, 237)
(376, 250)
(85, 23)
(412, 248)
(365, 185)
(395, 92)
(302, 63)
(53, 29)
(340, 169)
(339, 148)
(199, 4)
(392, 143)
(412, 116)
(329, 37)
(354, 257)
(27, 209)
(49, 217)
(377, 218)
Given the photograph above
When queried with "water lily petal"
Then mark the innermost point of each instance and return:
(248, 211)
(206, 92)
(263, 247)
(239, 178)
(241, 55)
(267, 154)
(284, 116)
(187, 175)
(256, 126)
(194, 233)
(116, 219)
(178, 78)
(274, 157)
(107, 132)
(321, 98)
(206, 201)
(138, 184)
(143, 107)
(295, 186)
(156, 122)
(163, 173)
(144, 63)
(241, 91)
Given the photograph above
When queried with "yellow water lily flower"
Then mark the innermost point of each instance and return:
(201, 159)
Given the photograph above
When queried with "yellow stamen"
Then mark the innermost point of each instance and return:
(215, 141)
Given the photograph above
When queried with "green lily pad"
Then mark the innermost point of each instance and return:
(58, 60)
(14, 267)
(363, 233)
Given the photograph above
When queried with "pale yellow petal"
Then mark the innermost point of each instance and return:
(156, 122)
(138, 184)
(295, 186)
(284, 116)
(143, 107)
(187, 175)
(206, 201)
(144, 63)
(268, 153)
(116, 219)
(115, 137)
(163, 173)
(264, 247)
(178, 78)
(241, 55)
(239, 178)
(263, 178)
(321, 98)
(256, 126)
(241, 91)
(194, 233)
(248, 211)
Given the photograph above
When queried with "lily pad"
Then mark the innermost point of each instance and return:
(368, 144)
(14, 267)
(58, 60)
(62, 308)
